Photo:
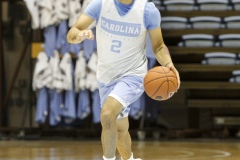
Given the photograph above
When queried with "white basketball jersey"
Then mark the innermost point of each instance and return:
(121, 42)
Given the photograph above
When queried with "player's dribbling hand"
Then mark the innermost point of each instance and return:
(85, 34)
(177, 74)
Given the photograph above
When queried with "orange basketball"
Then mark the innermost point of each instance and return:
(160, 83)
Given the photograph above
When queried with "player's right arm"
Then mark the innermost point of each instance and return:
(79, 31)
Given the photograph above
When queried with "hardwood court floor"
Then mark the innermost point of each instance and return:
(147, 150)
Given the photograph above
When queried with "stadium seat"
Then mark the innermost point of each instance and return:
(220, 58)
(213, 4)
(174, 23)
(235, 76)
(158, 4)
(232, 22)
(177, 5)
(229, 40)
(236, 4)
(197, 40)
(202, 22)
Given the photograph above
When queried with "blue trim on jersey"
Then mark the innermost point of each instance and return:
(123, 9)
(152, 17)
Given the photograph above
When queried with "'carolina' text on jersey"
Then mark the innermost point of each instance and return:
(120, 28)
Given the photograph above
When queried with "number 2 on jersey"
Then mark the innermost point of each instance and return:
(116, 46)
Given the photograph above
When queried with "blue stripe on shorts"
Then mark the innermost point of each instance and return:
(126, 90)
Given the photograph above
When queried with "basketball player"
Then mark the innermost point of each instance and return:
(121, 27)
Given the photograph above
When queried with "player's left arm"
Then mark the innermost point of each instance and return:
(161, 51)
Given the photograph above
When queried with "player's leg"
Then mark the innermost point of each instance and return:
(124, 144)
(115, 99)
(109, 113)
(124, 139)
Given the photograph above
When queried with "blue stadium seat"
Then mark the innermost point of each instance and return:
(158, 4)
(213, 5)
(236, 4)
(197, 40)
(178, 5)
(232, 22)
(229, 40)
(201, 22)
(174, 23)
(235, 76)
(220, 58)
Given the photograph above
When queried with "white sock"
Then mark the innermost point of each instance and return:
(131, 158)
(114, 158)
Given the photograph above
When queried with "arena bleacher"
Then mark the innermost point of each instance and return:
(194, 30)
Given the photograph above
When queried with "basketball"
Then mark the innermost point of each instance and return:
(160, 83)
